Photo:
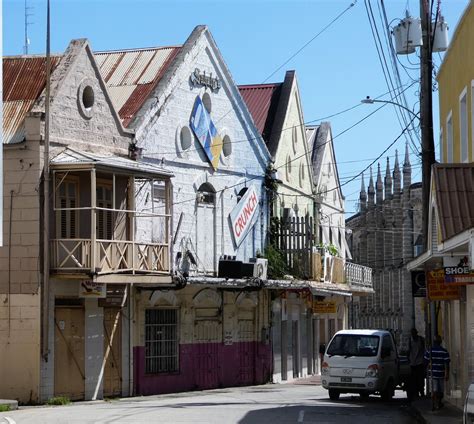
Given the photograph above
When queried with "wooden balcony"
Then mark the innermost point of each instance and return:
(77, 256)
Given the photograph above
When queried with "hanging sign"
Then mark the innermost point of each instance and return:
(205, 131)
(418, 284)
(324, 307)
(244, 215)
(438, 289)
(88, 288)
(460, 275)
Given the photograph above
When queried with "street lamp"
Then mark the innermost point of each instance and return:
(370, 101)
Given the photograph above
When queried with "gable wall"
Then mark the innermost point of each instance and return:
(159, 135)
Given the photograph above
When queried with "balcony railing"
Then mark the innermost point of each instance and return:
(358, 276)
(109, 256)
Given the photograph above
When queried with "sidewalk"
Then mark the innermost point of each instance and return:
(447, 415)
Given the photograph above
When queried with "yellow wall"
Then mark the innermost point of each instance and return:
(457, 73)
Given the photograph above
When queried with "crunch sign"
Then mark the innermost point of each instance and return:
(243, 216)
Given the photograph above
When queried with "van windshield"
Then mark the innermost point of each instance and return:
(353, 345)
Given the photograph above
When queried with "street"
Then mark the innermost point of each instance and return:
(246, 405)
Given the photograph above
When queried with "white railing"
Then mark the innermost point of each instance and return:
(74, 255)
(358, 275)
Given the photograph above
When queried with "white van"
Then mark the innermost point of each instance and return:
(360, 361)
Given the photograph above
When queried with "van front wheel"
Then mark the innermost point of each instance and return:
(334, 394)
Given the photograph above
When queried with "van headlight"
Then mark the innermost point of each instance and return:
(372, 371)
(325, 368)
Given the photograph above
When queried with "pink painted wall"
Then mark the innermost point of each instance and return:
(207, 366)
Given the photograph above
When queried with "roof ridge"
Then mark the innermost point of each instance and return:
(138, 49)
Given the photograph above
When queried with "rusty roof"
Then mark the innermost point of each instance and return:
(454, 188)
(262, 101)
(131, 75)
(24, 78)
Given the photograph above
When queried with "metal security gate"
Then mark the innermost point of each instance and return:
(206, 339)
(247, 351)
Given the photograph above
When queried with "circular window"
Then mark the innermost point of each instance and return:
(185, 138)
(206, 99)
(86, 98)
(226, 146)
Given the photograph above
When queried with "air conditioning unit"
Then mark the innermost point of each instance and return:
(260, 268)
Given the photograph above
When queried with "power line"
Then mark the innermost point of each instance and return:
(311, 40)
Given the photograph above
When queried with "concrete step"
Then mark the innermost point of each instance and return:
(12, 404)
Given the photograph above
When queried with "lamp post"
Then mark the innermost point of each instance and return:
(371, 101)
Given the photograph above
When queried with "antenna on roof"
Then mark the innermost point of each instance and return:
(27, 24)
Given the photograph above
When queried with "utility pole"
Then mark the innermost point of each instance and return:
(427, 142)
(426, 113)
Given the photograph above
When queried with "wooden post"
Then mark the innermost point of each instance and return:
(93, 220)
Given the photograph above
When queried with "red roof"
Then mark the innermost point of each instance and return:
(24, 78)
(131, 76)
(262, 100)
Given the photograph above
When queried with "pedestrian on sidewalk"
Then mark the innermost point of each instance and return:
(416, 352)
(438, 359)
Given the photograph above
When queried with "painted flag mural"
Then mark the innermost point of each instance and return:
(206, 132)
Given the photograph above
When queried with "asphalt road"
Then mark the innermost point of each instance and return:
(245, 405)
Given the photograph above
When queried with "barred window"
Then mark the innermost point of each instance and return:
(161, 341)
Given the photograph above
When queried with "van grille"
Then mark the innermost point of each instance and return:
(346, 385)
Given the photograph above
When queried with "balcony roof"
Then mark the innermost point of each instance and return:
(70, 160)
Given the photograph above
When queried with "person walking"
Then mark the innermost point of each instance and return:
(438, 358)
(416, 351)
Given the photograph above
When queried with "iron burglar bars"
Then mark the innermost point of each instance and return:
(100, 237)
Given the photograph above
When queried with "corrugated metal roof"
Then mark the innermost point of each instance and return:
(23, 81)
(131, 75)
(74, 157)
(262, 101)
(454, 186)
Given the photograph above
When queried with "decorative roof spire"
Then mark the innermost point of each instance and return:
(371, 190)
(396, 175)
(379, 186)
(362, 195)
(406, 163)
(388, 180)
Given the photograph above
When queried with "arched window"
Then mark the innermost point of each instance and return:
(241, 194)
(206, 194)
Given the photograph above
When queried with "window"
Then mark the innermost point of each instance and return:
(226, 146)
(463, 125)
(302, 175)
(294, 136)
(241, 194)
(161, 341)
(206, 194)
(354, 345)
(159, 223)
(104, 217)
(67, 198)
(185, 138)
(288, 168)
(449, 138)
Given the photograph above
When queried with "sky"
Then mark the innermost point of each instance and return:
(337, 69)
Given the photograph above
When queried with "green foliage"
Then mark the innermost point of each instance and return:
(4, 408)
(59, 400)
(330, 248)
(276, 262)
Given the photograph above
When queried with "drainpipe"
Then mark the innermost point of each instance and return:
(131, 311)
(46, 179)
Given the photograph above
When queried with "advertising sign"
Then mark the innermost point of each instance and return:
(244, 215)
(205, 131)
(324, 307)
(438, 289)
(418, 284)
(88, 288)
(460, 275)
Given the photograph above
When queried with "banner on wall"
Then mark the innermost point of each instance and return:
(324, 307)
(244, 215)
(206, 132)
(438, 289)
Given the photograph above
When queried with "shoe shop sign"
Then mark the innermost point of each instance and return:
(244, 215)
(459, 274)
